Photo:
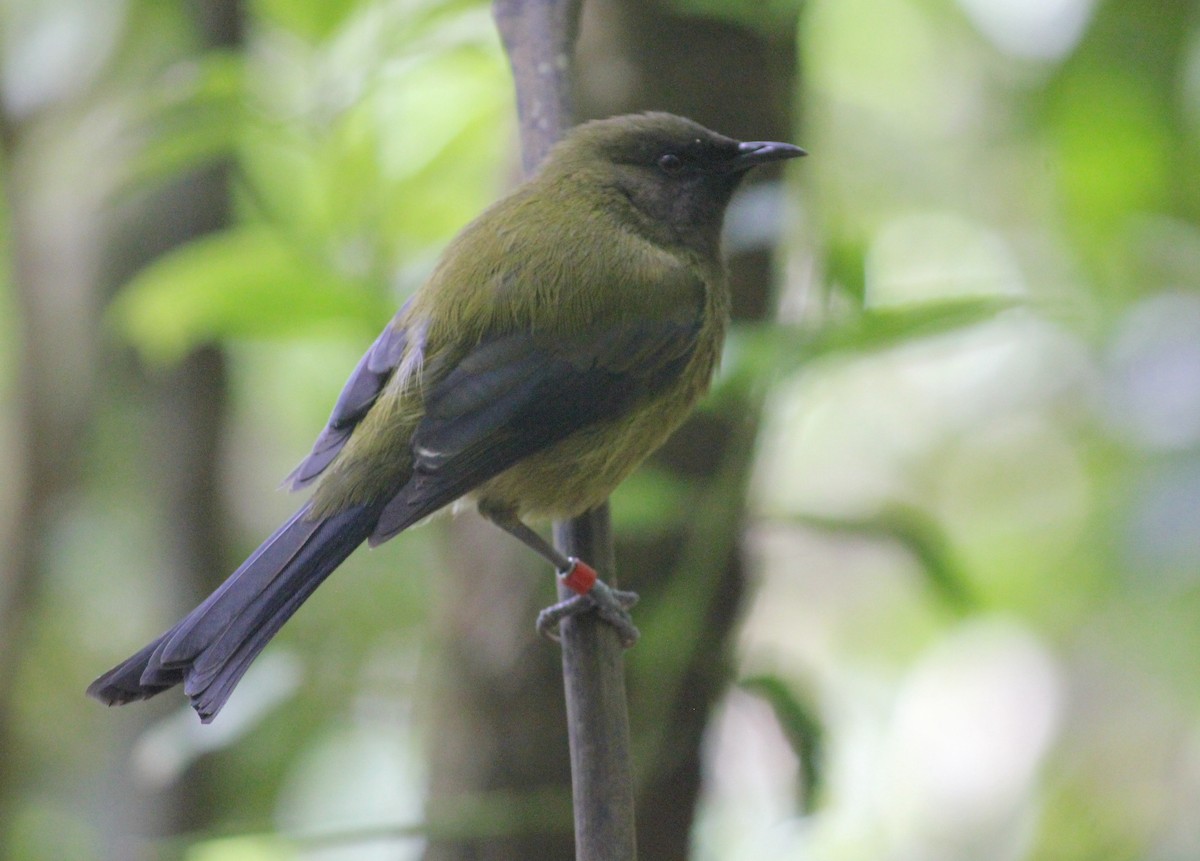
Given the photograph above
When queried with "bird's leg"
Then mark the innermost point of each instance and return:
(591, 592)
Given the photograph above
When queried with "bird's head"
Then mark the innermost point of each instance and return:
(677, 175)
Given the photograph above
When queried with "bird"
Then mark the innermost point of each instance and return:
(559, 340)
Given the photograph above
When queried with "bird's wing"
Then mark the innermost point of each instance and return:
(514, 395)
(367, 380)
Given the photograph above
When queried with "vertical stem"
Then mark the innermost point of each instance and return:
(597, 714)
(539, 37)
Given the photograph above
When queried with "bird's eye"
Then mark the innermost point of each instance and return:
(670, 163)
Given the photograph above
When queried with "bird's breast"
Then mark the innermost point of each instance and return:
(582, 470)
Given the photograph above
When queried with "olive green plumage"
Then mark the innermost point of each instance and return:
(563, 336)
(568, 254)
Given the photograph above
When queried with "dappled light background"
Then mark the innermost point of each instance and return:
(972, 524)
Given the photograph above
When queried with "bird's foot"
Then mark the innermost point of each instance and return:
(613, 605)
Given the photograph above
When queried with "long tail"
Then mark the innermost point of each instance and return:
(210, 649)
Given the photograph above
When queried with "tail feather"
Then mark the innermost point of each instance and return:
(130, 680)
(211, 648)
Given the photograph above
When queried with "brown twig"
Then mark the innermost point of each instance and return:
(539, 37)
(597, 712)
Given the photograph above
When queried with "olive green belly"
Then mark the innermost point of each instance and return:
(582, 470)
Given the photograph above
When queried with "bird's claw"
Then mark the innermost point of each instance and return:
(613, 605)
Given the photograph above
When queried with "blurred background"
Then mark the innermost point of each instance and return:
(920, 581)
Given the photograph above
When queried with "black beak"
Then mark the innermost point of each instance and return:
(753, 153)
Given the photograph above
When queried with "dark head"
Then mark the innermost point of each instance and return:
(677, 175)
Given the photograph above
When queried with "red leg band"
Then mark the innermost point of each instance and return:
(580, 578)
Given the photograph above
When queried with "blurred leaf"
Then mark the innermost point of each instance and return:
(314, 19)
(243, 282)
(802, 727)
(649, 502)
(884, 328)
(258, 847)
(193, 114)
(371, 158)
(760, 352)
(1114, 145)
(846, 266)
(921, 535)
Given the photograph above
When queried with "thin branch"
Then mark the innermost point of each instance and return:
(597, 711)
(539, 36)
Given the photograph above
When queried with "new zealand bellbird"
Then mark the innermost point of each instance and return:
(561, 338)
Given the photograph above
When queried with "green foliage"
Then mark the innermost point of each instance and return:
(801, 724)
(190, 116)
(919, 534)
(243, 282)
(884, 328)
(761, 352)
(1026, 453)
(312, 19)
(1130, 171)
(649, 502)
(351, 172)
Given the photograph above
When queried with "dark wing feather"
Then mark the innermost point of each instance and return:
(367, 380)
(515, 395)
